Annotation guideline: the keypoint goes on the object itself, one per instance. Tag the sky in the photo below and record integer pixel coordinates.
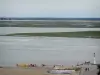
(50, 8)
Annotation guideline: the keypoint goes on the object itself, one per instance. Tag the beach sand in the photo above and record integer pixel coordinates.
(38, 71)
(22, 71)
(26, 71)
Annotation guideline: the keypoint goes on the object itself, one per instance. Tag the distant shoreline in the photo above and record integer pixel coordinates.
(30, 18)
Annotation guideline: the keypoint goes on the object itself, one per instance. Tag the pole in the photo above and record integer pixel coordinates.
(94, 59)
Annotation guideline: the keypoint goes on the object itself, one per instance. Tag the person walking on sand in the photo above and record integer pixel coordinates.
(85, 69)
(88, 69)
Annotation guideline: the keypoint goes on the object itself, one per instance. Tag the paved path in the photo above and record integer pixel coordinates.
(93, 71)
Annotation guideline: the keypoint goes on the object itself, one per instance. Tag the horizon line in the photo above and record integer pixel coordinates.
(45, 18)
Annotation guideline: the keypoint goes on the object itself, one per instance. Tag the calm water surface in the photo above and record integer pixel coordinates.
(49, 50)
(10, 30)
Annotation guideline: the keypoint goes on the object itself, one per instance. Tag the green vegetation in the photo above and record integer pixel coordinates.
(57, 23)
(85, 34)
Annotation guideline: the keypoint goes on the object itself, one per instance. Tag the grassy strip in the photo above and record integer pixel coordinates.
(92, 34)
(46, 24)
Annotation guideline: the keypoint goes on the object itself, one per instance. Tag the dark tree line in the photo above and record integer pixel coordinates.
(5, 18)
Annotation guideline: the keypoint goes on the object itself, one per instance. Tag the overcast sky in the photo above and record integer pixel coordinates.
(49, 8)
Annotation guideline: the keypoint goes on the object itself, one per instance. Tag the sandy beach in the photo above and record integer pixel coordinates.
(39, 71)
(26, 71)
(22, 71)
